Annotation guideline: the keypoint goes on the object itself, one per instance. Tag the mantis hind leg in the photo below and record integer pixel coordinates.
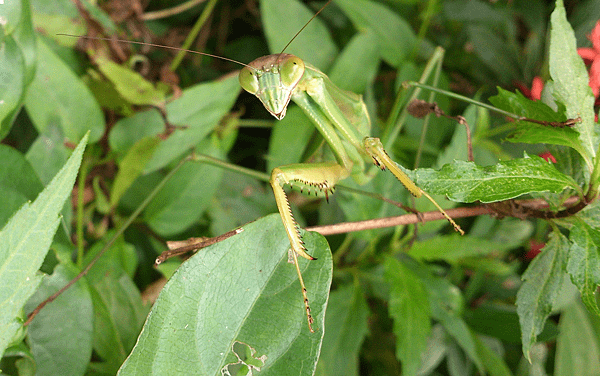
(374, 148)
(321, 177)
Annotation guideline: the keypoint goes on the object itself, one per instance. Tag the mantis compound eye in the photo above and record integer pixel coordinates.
(248, 80)
(292, 69)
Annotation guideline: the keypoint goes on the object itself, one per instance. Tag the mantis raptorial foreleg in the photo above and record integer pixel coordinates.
(322, 177)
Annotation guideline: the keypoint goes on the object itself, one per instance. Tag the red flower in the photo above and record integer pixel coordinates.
(548, 157)
(592, 56)
(535, 248)
(536, 89)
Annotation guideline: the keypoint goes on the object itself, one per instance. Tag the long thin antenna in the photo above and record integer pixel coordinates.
(155, 45)
(304, 27)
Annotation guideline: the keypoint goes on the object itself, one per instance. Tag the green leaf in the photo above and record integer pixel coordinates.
(584, 263)
(466, 182)
(571, 81)
(284, 18)
(396, 38)
(577, 347)
(533, 133)
(130, 130)
(18, 182)
(495, 51)
(131, 85)
(60, 336)
(199, 110)
(48, 153)
(18, 56)
(24, 242)
(357, 65)
(185, 197)
(346, 328)
(132, 166)
(73, 107)
(446, 305)
(541, 284)
(520, 105)
(452, 248)
(118, 309)
(409, 307)
(492, 362)
(239, 291)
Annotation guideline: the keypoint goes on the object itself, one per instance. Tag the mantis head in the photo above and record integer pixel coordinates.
(272, 79)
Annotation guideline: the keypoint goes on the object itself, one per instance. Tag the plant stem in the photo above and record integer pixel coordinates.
(203, 158)
(394, 122)
(80, 198)
(193, 34)
(462, 98)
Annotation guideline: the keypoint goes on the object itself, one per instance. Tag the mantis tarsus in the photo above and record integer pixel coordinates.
(341, 118)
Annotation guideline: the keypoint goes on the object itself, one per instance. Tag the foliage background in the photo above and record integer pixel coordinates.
(437, 304)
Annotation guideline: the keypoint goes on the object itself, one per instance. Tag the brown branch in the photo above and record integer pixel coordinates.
(406, 219)
(521, 209)
(196, 244)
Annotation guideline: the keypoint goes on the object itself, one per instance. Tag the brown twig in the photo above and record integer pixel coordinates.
(196, 244)
(406, 219)
(510, 208)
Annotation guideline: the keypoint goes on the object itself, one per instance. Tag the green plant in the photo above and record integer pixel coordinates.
(426, 301)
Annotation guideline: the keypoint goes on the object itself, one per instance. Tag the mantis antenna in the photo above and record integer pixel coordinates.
(156, 45)
(304, 27)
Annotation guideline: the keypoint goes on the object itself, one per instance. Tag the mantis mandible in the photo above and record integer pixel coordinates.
(342, 119)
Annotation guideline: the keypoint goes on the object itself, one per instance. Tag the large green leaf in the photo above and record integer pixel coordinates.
(284, 18)
(446, 305)
(198, 111)
(571, 80)
(73, 107)
(356, 67)
(396, 38)
(409, 306)
(60, 336)
(118, 309)
(24, 242)
(131, 85)
(346, 328)
(577, 347)
(452, 248)
(466, 182)
(240, 292)
(18, 56)
(183, 199)
(542, 282)
(584, 262)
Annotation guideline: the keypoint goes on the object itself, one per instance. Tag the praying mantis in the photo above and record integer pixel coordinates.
(342, 119)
